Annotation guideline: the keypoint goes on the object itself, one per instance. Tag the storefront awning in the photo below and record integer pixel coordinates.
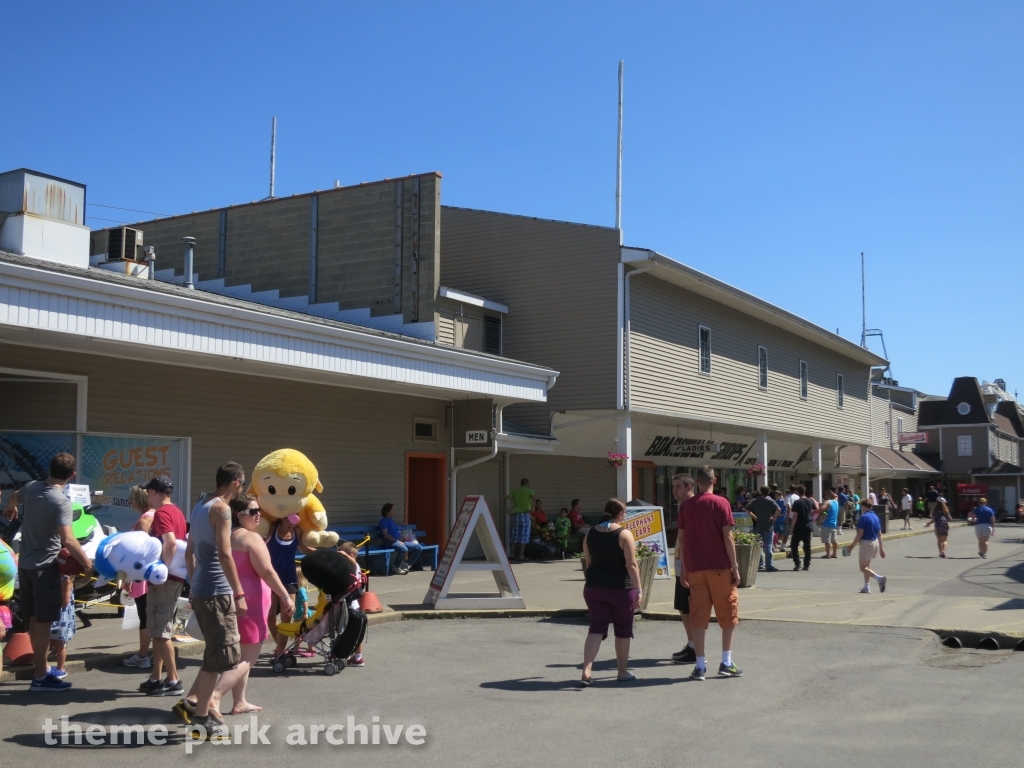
(999, 468)
(886, 460)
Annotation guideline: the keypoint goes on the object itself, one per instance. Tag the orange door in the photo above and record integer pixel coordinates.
(425, 478)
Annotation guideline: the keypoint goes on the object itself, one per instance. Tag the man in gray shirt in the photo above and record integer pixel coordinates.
(45, 528)
(764, 511)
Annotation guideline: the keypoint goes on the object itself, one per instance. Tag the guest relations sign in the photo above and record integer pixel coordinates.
(113, 464)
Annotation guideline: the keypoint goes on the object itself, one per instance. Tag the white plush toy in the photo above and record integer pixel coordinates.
(135, 555)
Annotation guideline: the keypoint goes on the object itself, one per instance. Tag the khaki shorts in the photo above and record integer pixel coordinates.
(828, 535)
(161, 605)
(709, 588)
(867, 550)
(217, 620)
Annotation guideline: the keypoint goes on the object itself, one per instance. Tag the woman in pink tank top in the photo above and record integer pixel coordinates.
(258, 578)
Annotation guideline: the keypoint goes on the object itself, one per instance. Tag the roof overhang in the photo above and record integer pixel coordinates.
(462, 297)
(72, 310)
(671, 271)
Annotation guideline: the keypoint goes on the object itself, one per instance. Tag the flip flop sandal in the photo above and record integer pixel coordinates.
(629, 676)
(585, 682)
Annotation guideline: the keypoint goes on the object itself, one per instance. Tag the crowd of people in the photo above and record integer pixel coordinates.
(528, 522)
(239, 584)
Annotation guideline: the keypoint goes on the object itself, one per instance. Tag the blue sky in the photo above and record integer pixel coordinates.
(766, 143)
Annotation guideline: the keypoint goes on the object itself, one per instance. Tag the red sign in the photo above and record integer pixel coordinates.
(966, 489)
(913, 438)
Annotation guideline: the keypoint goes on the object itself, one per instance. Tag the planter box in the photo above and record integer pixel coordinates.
(747, 558)
(647, 568)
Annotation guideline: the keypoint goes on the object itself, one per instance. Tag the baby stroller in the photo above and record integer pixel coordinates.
(337, 627)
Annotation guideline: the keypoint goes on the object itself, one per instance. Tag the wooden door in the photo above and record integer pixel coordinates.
(425, 482)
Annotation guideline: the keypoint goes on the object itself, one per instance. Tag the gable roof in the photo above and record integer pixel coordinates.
(1007, 413)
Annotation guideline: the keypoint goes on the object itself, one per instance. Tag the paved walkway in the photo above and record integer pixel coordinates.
(961, 592)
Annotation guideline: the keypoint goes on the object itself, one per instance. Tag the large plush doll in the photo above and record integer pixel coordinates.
(135, 555)
(8, 570)
(283, 482)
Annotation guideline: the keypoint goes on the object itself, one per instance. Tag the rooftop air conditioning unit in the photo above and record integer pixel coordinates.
(122, 243)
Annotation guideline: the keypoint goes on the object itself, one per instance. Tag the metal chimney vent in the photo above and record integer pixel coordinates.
(122, 243)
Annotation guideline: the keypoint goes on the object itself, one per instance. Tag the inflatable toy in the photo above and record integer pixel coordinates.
(283, 482)
(8, 571)
(135, 555)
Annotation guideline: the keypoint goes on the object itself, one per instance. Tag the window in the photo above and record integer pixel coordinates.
(899, 425)
(762, 367)
(963, 445)
(492, 334)
(839, 390)
(704, 343)
(803, 379)
(888, 430)
(424, 430)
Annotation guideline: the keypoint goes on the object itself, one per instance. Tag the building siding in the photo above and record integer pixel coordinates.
(664, 368)
(48, 406)
(556, 480)
(357, 439)
(959, 465)
(560, 283)
(879, 418)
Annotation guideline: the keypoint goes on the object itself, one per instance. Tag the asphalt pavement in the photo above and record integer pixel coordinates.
(502, 692)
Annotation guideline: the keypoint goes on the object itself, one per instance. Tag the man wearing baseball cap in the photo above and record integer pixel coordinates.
(162, 600)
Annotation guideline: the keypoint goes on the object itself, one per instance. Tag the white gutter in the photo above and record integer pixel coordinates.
(627, 383)
(472, 299)
(455, 472)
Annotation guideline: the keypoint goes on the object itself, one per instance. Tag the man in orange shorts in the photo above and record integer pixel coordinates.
(710, 569)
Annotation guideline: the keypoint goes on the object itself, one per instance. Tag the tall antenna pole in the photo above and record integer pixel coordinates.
(273, 152)
(863, 306)
(618, 163)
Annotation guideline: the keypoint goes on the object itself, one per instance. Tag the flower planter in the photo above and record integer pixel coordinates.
(747, 558)
(648, 566)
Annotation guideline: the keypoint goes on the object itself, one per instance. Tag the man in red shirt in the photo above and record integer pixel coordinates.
(162, 600)
(710, 569)
(576, 516)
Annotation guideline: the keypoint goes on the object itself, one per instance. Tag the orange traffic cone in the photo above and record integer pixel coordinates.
(369, 602)
(18, 649)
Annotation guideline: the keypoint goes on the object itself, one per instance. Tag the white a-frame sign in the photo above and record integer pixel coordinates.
(474, 516)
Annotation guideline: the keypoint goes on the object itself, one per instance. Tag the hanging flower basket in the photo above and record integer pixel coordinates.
(617, 459)
(756, 469)
(813, 472)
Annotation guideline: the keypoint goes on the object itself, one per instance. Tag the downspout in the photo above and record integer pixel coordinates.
(453, 511)
(626, 383)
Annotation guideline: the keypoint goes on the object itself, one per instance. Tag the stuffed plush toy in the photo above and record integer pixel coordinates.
(136, 555)
(283, 482)
(8, 570)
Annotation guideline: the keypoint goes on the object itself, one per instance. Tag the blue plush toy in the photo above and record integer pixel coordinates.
(136, 556)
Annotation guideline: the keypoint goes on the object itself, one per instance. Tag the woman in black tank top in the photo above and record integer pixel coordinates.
(613, 590)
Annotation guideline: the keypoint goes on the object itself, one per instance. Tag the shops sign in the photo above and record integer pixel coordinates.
(696, 448)
(913, 438)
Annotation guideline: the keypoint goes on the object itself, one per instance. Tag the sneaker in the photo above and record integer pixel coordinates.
(685, 656)
(184, 710)
(983, 557)
(356, 660)
(60, 674)
(865, 590)
(771, 570)
(729, 670)
(150, 685)
(881, 583)
(396, 570)
(48, 684)
(167, 688)
(807, 567)
(698, 673)
(942, 555)
(213, 731)
(138, 662)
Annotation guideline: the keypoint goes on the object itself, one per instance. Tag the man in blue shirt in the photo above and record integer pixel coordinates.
(407, 553)
(829, 516)
(984, 519)
(868, 544)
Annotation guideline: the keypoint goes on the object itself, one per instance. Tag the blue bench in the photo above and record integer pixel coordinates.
(374, 547)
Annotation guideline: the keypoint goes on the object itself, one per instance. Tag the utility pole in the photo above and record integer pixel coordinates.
(618, 163)
(863, 306)
(273, 153)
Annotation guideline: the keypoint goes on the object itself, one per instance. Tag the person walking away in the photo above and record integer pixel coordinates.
(46, 528)
(781, 522)
(407, 553)
(612, 590)
(712, 574)
(283, 544)
(682, 489)
(801, 512)
(764, 510)
(867, 544)
(906, 506)
(941, 519)
(829, 512)
(162, 599)
(138, 497)
(519, 519)
(931, 499)
(218, 601)
(258, 579)
(984, 519)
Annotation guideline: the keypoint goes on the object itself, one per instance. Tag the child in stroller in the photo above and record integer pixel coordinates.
(335, 629)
